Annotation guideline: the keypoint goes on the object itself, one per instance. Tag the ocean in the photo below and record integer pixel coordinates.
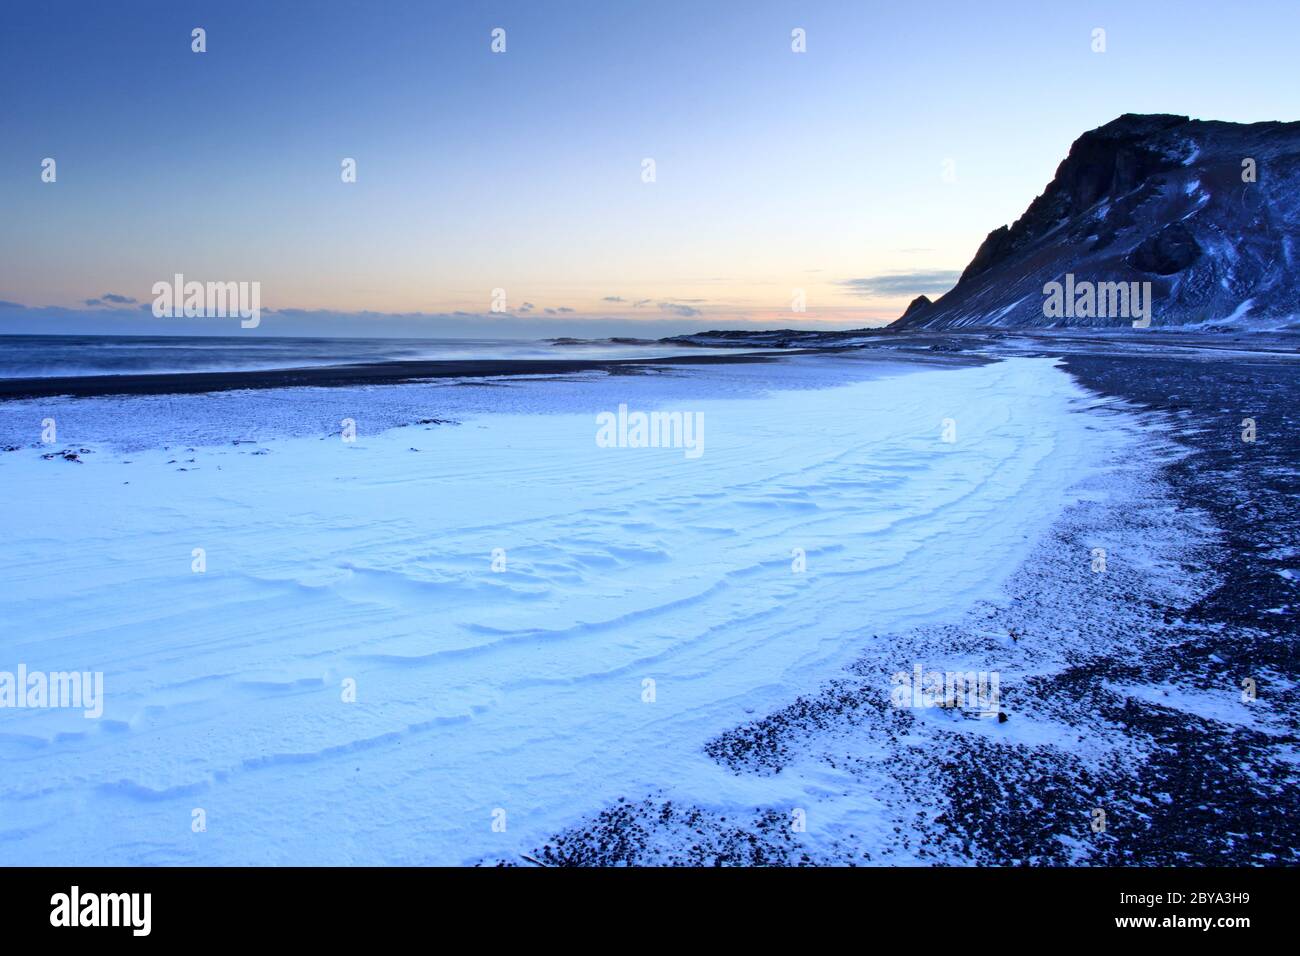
(43, 356)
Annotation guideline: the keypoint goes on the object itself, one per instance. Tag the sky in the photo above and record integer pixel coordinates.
(859, 173)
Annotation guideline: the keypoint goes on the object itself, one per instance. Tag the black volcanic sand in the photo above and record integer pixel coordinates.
(1192, 603)
(1224, 806)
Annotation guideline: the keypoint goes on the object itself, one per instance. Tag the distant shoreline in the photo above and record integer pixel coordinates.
(375, 373)
(968, 345)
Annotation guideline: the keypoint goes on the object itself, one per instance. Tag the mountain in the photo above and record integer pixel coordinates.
(1207, 212)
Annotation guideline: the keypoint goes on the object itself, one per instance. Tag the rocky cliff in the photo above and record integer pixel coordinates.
(1207, 212)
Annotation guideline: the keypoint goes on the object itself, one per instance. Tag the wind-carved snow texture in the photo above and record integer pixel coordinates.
(1127, 739)
(522, 691)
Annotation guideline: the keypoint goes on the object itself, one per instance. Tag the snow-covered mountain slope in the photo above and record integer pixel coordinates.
(1207, 212)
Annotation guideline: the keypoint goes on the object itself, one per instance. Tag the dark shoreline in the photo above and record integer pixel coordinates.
(970, 344)
(331, 376)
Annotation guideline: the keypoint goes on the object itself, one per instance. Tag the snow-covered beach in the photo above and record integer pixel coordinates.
(532, 626)
(443, 443)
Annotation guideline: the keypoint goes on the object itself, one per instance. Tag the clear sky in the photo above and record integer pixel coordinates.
(774, 170)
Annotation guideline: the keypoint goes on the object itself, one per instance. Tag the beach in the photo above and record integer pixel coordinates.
(463, 630)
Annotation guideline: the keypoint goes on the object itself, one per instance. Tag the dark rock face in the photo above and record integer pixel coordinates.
(1170, 250)
(1109, 161)
(916, 305)
(1157, 198)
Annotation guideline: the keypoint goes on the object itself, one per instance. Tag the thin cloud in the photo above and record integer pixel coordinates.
(112, 298)
(894, 284)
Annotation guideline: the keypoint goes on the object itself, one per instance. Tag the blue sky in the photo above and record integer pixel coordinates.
(775, 171)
